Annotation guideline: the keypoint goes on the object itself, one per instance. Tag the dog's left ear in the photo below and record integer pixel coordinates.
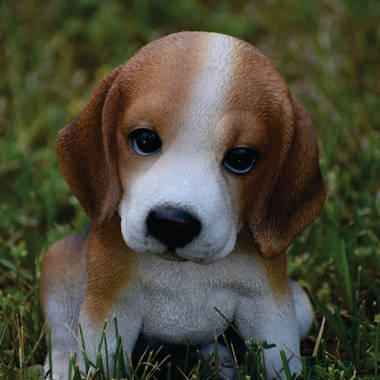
(87, 152)
(298, 193)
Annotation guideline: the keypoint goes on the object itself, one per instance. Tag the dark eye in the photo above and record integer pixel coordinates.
(145, 142)
(240, 160)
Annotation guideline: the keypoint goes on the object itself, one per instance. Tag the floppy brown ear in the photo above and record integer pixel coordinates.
(299, 191)
(86, 151)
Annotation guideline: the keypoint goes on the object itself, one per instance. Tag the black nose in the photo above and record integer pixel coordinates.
(172, 226)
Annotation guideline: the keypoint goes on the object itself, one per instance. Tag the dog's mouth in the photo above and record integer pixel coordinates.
(171, 256)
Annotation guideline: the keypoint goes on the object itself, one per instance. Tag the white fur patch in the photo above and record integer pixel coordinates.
(208, 94)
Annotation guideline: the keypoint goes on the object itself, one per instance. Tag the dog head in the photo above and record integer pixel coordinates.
(194, 136)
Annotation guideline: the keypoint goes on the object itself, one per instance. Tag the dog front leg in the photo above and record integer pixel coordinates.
(124, 320)
(64, 344)
(265, 318)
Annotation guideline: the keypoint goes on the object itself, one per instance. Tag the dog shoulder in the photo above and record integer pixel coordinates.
(64, 266)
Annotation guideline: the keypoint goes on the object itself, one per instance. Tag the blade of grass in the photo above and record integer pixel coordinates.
(50, 355)
(336, 324)
(343, 270)
(169, 371)
(285, 364)
(377, 345)
(319, 337)
(87, 361)
(230, 354)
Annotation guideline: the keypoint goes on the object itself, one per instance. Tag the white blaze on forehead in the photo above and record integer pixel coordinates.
(211, 84)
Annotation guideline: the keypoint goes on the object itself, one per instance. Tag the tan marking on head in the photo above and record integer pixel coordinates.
(254, 109)
(285, 191)
(156, 83)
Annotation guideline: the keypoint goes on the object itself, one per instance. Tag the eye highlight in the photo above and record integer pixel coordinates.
(240, 160)
(145, 141)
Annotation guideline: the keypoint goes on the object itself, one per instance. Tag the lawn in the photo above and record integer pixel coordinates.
(51, 56)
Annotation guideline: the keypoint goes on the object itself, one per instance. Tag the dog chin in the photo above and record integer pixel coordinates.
(180, 257)
(172, 256)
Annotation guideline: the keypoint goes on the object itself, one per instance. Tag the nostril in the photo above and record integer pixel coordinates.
(172, 226)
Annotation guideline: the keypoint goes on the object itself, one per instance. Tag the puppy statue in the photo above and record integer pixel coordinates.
(197, 167)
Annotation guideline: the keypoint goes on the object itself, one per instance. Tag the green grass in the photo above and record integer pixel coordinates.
(51, 56)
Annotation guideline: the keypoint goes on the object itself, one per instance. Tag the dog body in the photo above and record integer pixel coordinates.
(197, 167)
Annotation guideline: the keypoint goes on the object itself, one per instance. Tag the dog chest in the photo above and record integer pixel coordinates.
(176, 315)
(181, 303)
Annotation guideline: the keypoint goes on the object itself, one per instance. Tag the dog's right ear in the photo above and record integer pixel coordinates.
(86, 151)
(298, 192)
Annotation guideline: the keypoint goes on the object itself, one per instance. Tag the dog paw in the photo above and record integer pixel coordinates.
(222, 364)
